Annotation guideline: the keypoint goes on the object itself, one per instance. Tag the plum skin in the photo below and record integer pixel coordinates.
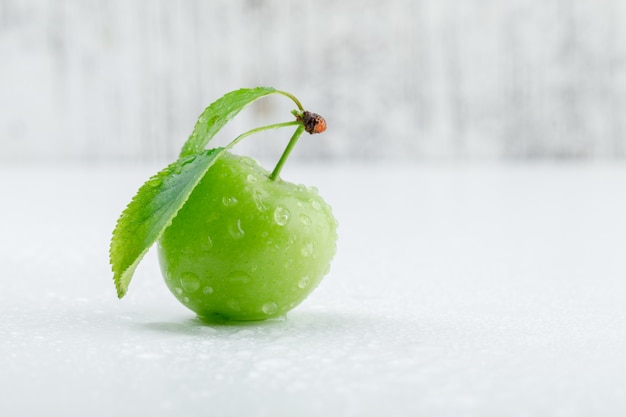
(244, 247)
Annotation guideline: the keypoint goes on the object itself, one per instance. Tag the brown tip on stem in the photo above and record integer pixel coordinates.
(312, 122)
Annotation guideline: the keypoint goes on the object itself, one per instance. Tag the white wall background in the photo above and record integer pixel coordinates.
(399, 79)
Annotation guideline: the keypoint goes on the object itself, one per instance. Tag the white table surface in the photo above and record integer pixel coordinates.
(456, 291)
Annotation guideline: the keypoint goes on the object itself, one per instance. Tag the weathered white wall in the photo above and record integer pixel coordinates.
(399, 79)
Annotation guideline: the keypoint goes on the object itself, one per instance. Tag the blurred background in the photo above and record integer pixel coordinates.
(397, 80)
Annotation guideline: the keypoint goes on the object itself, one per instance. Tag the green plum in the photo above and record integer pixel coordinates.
(235, 242)
(246, 246)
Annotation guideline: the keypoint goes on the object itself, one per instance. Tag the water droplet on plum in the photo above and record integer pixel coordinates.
(190, 281)
(281, 215)
(316, 205)
(235, 229)
(239, 277)
(259, 201)
(307, 249)
(234, 304)
(247, 161)
(229, 201)
(208, 244)
(178, 290)
(304, 282)
(305, 220)
(207, 290)
(269, 308)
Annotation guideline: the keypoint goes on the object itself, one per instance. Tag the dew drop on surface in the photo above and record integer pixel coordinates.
(248, 161)
(178, 290)
(188, 160)
(229, 201)
(307, 249)
(269, 308)
(185, 299)
(305, 220)
(239, 277)
(316, 205)
(189, 281)
(259, 201)
(251, 178)
(304, 282)
(233, 304)
(235, 229)
(181, 164)
(207, 290)
(208, 243)
(155, 182)
(281, 215)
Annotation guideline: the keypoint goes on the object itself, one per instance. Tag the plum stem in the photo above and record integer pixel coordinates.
(260, 129)
(305, 120)
(292, 97)
(292, 142)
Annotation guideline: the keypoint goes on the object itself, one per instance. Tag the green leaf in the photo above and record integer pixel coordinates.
(151, 211)
(220, 112)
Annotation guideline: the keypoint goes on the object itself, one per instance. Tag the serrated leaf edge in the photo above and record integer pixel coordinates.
(122, 278)
(194, 144)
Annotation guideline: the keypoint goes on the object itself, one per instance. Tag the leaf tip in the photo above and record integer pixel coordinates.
(121, 292)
